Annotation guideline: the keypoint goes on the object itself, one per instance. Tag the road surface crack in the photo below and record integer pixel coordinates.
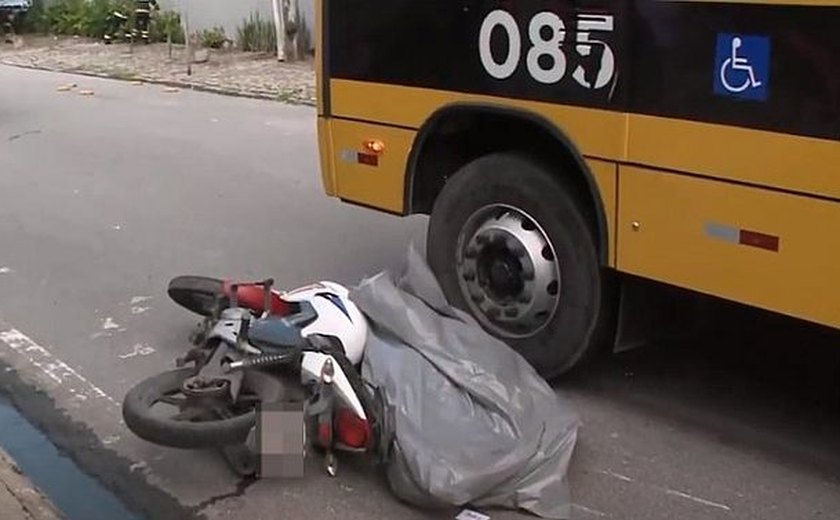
(241, 487)
(23, 134)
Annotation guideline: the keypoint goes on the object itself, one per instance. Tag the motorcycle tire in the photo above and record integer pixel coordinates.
(185, 434)
(197, 293)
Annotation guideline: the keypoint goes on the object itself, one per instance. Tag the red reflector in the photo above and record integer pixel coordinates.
(760, 240)
(351, 430)
(368, 158)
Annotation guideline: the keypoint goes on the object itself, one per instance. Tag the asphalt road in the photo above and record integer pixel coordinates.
(104, 198)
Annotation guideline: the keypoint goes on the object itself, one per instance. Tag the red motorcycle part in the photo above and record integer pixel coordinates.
(351, 430)
(252, 296)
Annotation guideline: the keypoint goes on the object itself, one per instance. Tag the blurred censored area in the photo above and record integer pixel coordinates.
(280, 440)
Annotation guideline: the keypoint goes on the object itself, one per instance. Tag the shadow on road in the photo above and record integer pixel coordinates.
(749, 378)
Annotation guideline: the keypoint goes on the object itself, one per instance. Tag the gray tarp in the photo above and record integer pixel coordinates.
(472, 422)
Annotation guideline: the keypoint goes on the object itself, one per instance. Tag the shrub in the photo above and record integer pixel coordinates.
(256, 35)
(32, 21)
(166, 23)
(90, 18)
(66, 17)
(212, 38)
(75, 17)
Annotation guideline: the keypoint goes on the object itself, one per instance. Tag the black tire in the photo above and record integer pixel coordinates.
(516, 181)
(196, 293)
(186, 434)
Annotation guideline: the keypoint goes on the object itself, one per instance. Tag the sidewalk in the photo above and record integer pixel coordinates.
(19, 498)
(225, 71)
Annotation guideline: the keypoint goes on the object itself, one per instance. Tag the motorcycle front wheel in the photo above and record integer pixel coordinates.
(157, 410)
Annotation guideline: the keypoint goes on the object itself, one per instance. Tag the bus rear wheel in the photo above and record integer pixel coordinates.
(510, 245)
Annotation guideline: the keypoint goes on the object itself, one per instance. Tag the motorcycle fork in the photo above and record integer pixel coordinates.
(322, 410)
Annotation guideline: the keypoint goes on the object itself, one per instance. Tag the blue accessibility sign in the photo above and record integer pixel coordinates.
(742, 66)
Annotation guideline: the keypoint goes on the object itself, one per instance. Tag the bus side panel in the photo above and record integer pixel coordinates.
(375, 180)
(775, 160)
(765, 248)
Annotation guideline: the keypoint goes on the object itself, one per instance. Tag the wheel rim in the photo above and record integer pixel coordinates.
(508, 271)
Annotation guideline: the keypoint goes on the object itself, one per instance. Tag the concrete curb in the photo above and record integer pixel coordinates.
(168, 83)
(34, 504)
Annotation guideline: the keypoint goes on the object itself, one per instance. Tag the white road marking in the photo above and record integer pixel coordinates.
(140, 299)
(52, 367)
(667, 491)
(5, 270)
(109, 323)
(138, 350)
(699, 500)
(613, 474)
(593, 512)
(139, 310)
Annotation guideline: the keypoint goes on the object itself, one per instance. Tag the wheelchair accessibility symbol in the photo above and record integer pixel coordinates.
(742, 66)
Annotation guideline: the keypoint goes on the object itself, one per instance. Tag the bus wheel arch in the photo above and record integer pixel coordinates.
(447, 141)
(545, 204)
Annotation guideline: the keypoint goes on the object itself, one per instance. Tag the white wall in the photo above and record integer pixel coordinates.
(205, 14)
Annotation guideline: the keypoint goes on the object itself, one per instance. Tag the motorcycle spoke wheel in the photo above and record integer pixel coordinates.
(174, 422)
(188, 414)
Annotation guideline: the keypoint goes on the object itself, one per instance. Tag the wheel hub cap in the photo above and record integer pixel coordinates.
(507, 271)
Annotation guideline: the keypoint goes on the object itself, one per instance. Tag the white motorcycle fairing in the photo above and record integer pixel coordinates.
(340, 318)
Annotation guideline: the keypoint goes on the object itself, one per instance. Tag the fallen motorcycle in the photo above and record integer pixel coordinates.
(255, 346)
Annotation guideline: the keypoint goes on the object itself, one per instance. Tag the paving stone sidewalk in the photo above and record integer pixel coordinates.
(226, 71)
(19, 498)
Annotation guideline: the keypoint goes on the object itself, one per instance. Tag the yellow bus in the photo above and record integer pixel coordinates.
(555, 142)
